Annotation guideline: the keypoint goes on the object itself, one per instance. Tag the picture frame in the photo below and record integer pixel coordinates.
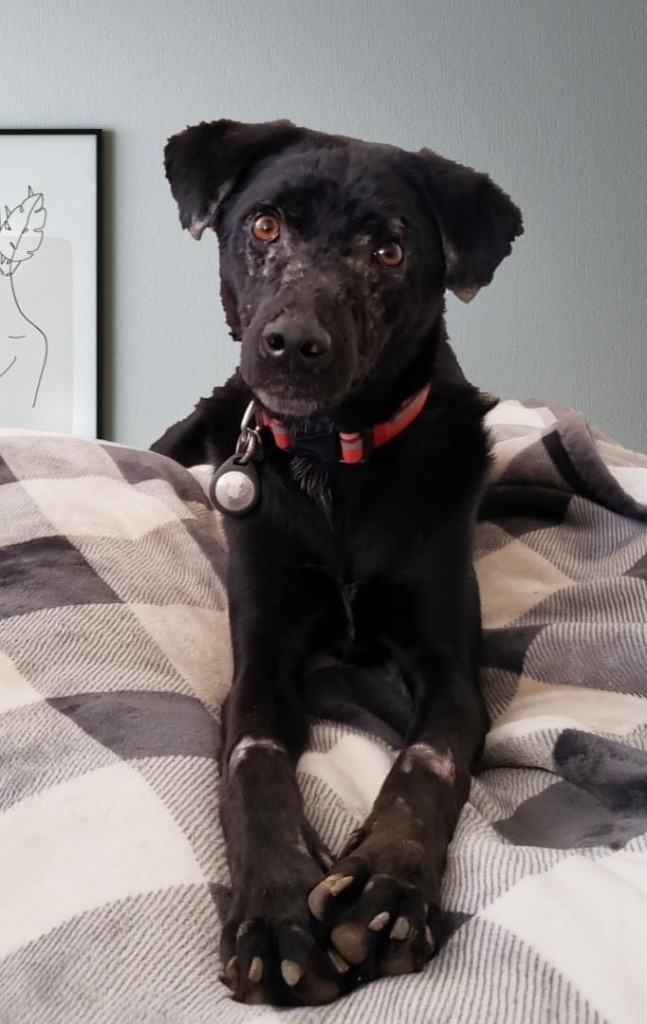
(50, 279)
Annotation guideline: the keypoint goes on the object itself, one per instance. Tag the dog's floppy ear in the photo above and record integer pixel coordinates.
(203, 162)
(478, 222)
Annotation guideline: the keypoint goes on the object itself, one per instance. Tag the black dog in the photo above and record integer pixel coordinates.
(350, 578)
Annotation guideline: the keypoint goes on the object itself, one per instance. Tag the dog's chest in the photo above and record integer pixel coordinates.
(371, 522)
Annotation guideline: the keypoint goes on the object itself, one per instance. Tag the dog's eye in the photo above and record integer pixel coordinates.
(266, 227)
(390, 254)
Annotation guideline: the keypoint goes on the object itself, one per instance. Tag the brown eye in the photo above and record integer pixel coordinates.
(266, 227)
(390, 254)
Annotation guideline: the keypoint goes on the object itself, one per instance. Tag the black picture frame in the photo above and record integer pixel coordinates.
(51, 307)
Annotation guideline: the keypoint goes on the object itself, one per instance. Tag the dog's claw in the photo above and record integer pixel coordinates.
(317, 902)
(231, 975)
(255, 973)
(380, 922)
(342, 884)
(318, 898)
(401, 929)
(292, 972)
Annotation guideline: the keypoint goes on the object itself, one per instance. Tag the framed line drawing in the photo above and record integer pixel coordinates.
(50, 255)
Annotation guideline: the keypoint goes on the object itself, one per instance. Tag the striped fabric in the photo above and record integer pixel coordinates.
(114, 661)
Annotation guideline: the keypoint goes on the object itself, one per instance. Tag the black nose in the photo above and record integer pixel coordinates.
(290, 338)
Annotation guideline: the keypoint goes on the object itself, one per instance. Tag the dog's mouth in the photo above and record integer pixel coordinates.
(283, 405)
(291, 392)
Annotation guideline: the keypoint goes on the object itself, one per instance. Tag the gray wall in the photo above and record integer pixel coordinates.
(549, 96)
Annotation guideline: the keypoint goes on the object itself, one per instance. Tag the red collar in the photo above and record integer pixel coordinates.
(355, 447)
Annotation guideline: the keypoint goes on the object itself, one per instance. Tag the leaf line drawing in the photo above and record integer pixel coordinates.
(21, 236)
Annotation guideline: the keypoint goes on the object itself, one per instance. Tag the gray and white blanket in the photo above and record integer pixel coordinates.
(114, 661)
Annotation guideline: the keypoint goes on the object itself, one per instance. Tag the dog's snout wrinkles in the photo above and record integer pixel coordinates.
(289, 338)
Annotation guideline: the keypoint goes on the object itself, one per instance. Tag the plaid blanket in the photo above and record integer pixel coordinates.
(114, 661)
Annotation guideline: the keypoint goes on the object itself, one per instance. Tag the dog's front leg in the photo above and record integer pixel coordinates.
(269, 951)
(380, 901)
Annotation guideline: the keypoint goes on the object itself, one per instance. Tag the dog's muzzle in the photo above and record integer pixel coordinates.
(296, 368)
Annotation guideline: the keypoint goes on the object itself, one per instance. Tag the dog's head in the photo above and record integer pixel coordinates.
(334, 253)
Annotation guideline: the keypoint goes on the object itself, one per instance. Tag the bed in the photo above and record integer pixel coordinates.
(114, 661)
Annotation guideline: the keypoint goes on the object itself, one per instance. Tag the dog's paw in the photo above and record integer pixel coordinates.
(270, 953)
(378, 924)
(278, 963)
